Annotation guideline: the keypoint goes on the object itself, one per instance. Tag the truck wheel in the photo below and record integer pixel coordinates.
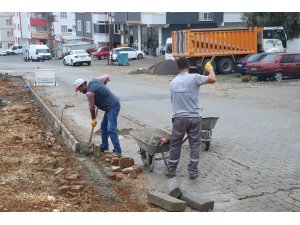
(225, 66)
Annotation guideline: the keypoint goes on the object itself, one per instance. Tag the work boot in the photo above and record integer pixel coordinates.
(169, 175)
(104, 149)
(193, 176)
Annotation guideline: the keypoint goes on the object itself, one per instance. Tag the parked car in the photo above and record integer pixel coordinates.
(2, 53)
(132, 53)
(102, 53)
(15, 50)
(75, 57)
(276, 66)
(239, 66)
(91, 50)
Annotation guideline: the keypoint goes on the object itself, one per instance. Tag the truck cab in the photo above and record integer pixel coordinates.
(274, 39)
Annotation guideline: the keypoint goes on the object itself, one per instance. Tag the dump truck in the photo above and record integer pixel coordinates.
(226, 44)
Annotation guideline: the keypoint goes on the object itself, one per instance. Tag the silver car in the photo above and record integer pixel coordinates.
(131, 52)
(77, 57)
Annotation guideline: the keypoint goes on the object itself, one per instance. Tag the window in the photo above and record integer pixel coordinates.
(8, 22)
(78, 25)
(28, 27)
(64, 28)
(9, 34)
(74, 27)
(88, 27)
(63, 15)
(286, 59)
(297, 58)
(101, 28)
(117, 28)
(205, 16)
(18, 26)
(0, 45)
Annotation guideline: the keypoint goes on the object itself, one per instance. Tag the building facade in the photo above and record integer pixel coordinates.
(6, 31)
(140, 30)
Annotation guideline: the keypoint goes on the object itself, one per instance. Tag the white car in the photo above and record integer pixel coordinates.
(15, 50)
(132, 53)
(75, 57)
(2, 52)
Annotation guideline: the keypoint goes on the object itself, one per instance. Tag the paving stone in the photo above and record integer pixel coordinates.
(197, 201)
(172, 188)
(166, 201)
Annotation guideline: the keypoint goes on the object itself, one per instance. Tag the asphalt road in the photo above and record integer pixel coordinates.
(253, 163)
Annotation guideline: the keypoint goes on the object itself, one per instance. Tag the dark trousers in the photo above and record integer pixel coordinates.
(192, 127)
(109, 128)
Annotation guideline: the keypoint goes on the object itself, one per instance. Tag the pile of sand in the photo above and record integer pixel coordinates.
(166, 67)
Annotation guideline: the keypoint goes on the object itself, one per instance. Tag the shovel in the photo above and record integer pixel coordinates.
(92, 131)
(86, 146)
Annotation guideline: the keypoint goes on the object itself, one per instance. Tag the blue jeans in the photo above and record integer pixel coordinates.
(109, 128)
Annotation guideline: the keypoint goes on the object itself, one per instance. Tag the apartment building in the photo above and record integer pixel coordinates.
(140, 30)
(6, 30)
(64, 24)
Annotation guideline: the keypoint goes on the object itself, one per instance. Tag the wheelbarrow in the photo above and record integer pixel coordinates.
(208, 123)
(150, 141)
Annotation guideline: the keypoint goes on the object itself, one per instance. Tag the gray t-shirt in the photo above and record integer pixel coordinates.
(184, 94)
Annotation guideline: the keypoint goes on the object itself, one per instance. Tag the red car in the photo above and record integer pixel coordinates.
(102, 53)
(276, 66)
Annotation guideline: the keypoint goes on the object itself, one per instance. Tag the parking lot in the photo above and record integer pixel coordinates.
(253, 163)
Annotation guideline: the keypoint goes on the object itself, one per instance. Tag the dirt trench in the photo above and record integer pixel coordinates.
(39, 174)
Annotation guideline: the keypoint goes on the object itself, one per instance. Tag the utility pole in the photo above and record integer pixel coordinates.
(111, 41)
(50, 25)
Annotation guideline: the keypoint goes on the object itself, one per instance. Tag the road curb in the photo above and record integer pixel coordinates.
(67, 136)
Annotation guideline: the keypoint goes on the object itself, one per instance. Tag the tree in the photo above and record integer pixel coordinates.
(290, 21)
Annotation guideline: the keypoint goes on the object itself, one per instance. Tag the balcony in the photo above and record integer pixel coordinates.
(40, 35)
(39, 22)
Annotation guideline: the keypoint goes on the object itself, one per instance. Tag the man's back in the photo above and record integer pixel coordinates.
(184, 94)
(104, 98)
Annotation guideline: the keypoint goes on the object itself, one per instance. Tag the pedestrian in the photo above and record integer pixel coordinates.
(187, 116)
(103, 98)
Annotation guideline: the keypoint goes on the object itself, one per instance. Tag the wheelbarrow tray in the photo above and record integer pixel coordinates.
(148, 140)
(208, 123)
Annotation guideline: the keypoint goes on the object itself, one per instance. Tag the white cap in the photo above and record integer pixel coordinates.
(77, 83)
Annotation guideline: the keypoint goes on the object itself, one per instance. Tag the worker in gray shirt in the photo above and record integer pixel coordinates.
(187, 116)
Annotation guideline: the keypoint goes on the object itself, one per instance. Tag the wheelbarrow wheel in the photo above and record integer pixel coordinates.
(148, 160)
(206, 145)
(144, 157)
